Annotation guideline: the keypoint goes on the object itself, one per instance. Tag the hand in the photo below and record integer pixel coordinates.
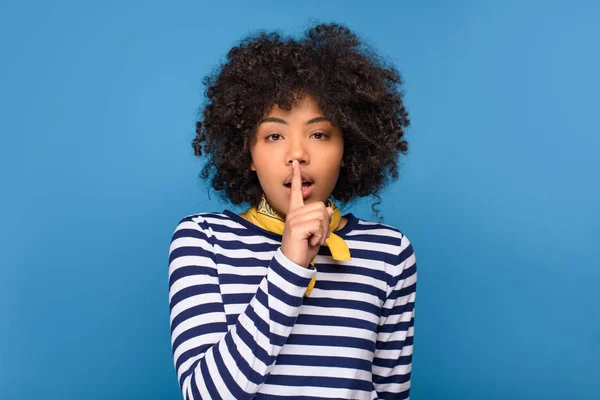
(306, 226)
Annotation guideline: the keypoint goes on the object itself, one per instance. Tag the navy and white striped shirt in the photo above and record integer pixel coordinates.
(241, 327)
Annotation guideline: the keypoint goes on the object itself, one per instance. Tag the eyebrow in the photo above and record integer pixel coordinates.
(283, 121)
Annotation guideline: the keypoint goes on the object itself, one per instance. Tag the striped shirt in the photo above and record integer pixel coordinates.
(242, 328)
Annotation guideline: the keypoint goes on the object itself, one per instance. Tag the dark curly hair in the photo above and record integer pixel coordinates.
(354, 88)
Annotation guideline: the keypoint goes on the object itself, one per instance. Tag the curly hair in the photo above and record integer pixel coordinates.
(354, 88)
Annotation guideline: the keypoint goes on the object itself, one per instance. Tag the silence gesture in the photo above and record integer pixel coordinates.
(306, 226)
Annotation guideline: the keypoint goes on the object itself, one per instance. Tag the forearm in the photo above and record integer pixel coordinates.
(213, 362)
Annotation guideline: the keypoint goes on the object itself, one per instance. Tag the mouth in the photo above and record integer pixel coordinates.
(307, 188)
(307, 184)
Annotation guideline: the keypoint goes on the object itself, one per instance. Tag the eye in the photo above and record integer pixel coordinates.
(320, 135)
(274, 136)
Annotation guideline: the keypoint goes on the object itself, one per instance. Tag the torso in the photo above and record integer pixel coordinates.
(338, 325)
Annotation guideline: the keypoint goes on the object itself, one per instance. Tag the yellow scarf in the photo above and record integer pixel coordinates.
(265, 217)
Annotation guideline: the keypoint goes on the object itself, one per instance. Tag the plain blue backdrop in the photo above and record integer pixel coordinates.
(499, 193)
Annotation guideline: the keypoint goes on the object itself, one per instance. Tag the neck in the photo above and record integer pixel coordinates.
(343, 221)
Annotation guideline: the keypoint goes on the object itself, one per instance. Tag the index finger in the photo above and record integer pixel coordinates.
(296, 198)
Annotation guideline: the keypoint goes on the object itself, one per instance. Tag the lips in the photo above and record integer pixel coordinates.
(304, 184)
(306, 189)
(307, 184)
(306, 179)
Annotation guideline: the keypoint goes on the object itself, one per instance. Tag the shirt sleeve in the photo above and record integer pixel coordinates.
(211, 361)
(394, 347)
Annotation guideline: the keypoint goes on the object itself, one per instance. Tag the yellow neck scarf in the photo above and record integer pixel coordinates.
(265, 217)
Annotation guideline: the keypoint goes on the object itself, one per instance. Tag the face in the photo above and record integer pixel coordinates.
(304, 134)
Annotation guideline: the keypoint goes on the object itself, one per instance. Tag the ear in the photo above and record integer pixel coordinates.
(342, 164)
(252, 166)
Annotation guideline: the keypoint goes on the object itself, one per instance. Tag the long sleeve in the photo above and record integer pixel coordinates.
(211, 361)
(394, 348)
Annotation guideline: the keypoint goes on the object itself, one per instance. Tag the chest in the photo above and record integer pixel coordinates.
(342, 310)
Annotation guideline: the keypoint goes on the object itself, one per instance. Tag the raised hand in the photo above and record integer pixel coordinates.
(306, 226)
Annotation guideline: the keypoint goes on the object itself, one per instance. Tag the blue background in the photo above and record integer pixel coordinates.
(499, 193)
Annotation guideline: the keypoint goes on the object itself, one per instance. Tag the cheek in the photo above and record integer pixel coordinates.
(258, 158)
(335, 156)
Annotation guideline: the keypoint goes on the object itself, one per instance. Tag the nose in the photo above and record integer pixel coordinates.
(297, 150)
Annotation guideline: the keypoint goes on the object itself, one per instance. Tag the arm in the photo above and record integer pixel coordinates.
(394, 348)
(211, 362)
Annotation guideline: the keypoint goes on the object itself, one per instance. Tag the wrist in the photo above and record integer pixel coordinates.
(294, 260)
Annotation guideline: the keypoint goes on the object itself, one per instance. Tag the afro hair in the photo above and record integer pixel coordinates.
(355, 90)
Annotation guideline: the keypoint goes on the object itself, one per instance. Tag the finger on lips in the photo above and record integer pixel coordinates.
(296, 199)
(312, 212)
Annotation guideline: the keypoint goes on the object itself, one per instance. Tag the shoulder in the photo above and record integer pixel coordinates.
(201, 222)
(390, 238)
(195, 237)
(399, 252)
(198, 230)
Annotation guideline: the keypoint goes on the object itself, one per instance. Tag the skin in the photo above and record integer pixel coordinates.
(306, 225)
(305, 135)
